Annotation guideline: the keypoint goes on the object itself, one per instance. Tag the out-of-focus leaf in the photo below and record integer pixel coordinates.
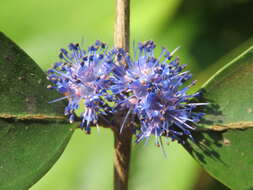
(212, 69)
(33, 133)
(224, 143)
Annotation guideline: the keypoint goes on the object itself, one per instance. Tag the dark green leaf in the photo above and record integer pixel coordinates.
(224, 143)
(23, 84)
(33, 133)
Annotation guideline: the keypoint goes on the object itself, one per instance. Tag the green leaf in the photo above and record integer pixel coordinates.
(224, 142)
(33, 133)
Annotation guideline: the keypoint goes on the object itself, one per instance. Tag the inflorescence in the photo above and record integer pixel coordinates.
(151, 89)
(83, 78)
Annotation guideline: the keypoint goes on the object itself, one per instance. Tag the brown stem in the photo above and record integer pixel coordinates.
(122, 148)
(121, 34)
(122, 141)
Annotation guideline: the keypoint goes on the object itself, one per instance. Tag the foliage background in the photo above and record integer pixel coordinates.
(207, 31)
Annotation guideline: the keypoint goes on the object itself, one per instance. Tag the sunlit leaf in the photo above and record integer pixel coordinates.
(224, 145)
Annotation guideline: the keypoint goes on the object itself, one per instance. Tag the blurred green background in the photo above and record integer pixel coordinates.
(209, 33)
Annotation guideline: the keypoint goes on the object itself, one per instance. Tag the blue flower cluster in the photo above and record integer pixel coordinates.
(83, 78)
(151, 89)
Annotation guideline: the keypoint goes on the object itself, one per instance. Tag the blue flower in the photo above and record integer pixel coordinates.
(154, 89)
(83, 78)
(151, 88)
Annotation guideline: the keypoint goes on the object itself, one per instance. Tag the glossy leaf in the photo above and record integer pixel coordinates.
(224, 142)
(33, 133)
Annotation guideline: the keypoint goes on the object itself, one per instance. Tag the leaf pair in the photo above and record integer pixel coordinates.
(33, 133)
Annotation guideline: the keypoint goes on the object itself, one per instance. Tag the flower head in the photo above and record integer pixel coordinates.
(154, 89)
(83, 78)
(149, 87)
